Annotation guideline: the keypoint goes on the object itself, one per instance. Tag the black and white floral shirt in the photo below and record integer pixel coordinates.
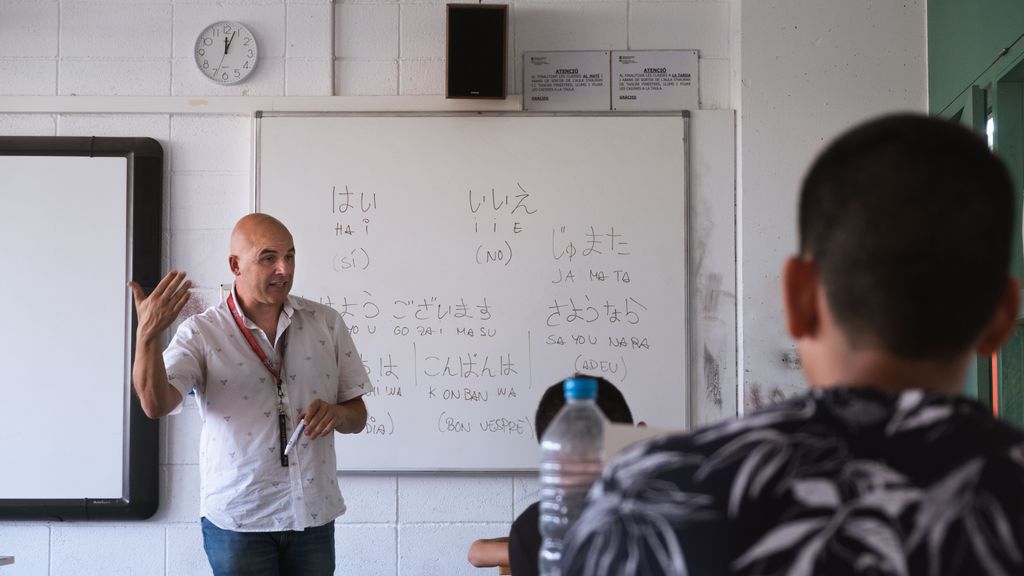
(836, 482)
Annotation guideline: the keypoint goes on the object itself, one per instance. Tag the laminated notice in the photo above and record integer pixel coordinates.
(655, 80)
(567, 81)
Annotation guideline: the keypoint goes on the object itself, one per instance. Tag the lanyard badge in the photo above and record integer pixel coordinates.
(282, 416)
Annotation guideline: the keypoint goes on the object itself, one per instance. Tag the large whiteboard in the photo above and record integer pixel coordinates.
(89, 442)
(478, 259)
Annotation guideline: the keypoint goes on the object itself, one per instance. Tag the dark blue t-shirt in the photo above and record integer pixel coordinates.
(524, 542)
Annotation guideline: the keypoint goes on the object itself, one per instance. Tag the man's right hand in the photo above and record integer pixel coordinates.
(158, 311)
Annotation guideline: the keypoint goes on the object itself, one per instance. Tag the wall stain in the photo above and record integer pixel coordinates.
(756, 397)
(712, 290)
(712, 378)
(754, 400)
(791, 359)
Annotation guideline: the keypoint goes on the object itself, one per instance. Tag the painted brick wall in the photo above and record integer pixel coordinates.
(810, 70)
(397, 525)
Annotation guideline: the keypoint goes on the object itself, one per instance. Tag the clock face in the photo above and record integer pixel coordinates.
(226, 52)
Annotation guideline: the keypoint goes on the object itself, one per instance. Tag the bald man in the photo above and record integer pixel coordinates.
(260, 363)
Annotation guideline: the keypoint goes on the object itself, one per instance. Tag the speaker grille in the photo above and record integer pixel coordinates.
(476, 50)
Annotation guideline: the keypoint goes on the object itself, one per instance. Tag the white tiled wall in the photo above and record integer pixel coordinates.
(404, 525)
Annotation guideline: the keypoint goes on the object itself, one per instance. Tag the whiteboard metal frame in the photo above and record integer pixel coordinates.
(140, 450)
(690, 373)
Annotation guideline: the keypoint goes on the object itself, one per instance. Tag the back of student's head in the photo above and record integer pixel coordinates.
(609, 399)
(908, 220)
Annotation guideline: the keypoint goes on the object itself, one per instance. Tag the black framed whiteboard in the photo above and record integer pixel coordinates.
(479, 258)
(81, 216)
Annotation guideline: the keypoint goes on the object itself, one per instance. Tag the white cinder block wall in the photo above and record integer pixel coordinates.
(810, 70)
(410, 524)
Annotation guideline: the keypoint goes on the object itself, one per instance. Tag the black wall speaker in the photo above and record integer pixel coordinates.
(477, 45)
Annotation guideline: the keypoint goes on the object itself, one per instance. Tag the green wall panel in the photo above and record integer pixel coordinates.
(964, 37)
(1011, 374)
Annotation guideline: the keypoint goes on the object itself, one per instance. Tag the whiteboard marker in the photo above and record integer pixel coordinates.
(295, 436)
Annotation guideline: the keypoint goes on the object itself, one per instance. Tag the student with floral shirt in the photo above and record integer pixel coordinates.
(883, 468)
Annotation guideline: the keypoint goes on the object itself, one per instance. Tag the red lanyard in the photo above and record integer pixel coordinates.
(282, 418)
(253, 344)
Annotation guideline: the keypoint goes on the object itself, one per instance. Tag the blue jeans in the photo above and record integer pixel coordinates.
(309, 552)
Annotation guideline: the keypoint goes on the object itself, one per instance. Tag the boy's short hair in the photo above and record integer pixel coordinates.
(908, 220)
(609, 399)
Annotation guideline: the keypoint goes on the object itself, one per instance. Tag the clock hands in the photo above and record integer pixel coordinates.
(227, 44)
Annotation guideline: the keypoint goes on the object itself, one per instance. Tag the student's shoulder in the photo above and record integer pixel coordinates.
(996, 438)
(715, 447)
(529, 516)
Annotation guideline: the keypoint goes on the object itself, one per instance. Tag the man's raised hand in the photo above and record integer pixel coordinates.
(157, 311)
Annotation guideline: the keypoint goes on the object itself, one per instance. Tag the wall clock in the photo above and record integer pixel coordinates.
(226, 52)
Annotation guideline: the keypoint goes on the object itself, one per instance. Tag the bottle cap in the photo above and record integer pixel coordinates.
(580, 388)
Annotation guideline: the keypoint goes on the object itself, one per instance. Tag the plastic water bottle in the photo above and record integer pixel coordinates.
(570, 461)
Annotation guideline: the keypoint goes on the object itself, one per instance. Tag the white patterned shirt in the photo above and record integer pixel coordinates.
(244, 487)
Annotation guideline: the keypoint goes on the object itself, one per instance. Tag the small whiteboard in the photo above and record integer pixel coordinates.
(80, 217)
(478, 259)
